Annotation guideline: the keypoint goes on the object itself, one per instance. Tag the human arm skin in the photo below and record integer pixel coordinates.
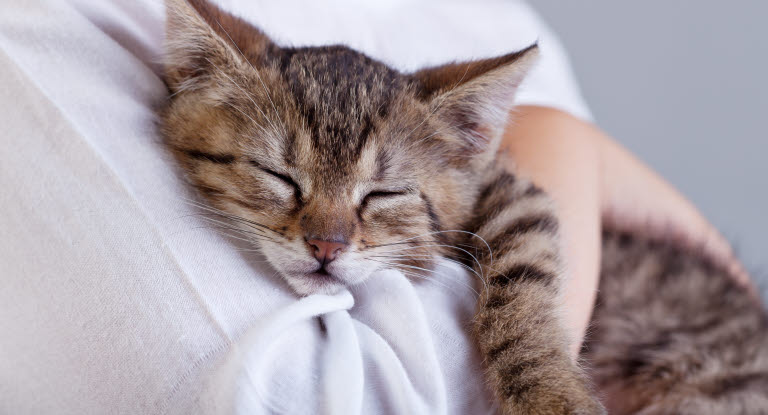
(592, 180)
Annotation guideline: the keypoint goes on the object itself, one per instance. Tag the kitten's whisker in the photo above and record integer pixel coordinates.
(235, 219)
(228, 215)
(251, 230)
(474, 235)
(411, 257)
(408, 272)
(435, 281)
(474, 258)
(391, 244)
(205, 216)
(407, 257)
(437, 233)
(415, 245)
(473, 271)
(228, 235)
(403, 256)
(224, 225)
(242, 222)
(243, 231)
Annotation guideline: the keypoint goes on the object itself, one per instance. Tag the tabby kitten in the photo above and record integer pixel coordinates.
(339, 165)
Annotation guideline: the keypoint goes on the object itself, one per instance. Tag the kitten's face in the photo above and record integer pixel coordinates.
(333, 164)
(334, 186)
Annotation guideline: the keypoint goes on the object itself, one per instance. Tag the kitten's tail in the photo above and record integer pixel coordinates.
(672, 333)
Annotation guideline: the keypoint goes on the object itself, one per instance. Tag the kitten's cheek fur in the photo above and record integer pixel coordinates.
(351, 269)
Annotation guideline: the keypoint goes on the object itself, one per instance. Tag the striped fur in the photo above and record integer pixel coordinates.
(295, 145)
(674, 334)
(516, 326)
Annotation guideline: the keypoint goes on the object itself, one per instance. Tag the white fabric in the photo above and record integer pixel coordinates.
(113, 299)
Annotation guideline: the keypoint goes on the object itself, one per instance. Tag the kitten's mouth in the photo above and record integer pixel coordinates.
(322, 275)
(319, 281)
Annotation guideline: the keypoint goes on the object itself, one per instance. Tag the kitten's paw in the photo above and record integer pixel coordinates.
(592, 407)
(544, 400)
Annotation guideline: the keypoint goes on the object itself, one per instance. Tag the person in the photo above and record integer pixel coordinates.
(114, 297)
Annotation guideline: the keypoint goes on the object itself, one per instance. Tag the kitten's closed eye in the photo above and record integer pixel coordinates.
(385, 193)
(282, 177)
(382, 194)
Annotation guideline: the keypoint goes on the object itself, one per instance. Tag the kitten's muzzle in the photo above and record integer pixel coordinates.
(325, 251)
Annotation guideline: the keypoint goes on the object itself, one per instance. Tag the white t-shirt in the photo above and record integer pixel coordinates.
(113, 299)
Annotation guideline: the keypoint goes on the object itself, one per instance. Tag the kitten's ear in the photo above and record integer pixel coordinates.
(475, 98)
(202, 39)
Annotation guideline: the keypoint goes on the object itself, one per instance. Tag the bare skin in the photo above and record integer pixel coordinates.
(593, 179)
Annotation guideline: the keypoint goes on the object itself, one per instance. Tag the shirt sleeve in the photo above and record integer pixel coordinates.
(552, 82)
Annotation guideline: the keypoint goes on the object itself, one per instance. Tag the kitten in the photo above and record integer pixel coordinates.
(338, 165)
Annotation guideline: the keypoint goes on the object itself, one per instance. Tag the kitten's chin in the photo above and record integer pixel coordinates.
(314, 283)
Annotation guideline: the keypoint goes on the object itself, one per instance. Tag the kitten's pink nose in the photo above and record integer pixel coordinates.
(325, 251)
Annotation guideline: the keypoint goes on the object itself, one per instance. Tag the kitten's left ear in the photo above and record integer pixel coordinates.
(202, 39)
(475, 98)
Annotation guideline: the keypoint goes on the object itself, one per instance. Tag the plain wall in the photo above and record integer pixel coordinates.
(683, 85)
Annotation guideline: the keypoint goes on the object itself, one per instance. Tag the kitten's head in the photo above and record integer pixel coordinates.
(332, 163)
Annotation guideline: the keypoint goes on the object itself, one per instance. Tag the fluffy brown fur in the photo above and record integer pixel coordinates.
(674, 334)
(336, 165)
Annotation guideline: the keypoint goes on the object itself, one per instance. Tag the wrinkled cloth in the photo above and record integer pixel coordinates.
(115, 297)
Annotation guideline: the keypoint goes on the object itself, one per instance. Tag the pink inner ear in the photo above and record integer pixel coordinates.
(479, 108)
(476, 120)
(479, 137)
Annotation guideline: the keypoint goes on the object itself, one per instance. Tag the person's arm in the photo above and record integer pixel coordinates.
(593, 179)
(555, 152)
(635, 197)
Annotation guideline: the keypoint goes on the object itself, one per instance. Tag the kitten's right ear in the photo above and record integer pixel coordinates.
(476, 97)
(201, 39)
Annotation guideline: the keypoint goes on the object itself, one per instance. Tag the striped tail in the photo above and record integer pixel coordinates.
(674, 334)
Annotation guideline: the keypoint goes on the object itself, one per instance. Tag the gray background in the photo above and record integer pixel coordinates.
(683, 84)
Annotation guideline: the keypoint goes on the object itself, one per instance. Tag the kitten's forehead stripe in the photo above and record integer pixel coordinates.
(289, 149)
(341, 95)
